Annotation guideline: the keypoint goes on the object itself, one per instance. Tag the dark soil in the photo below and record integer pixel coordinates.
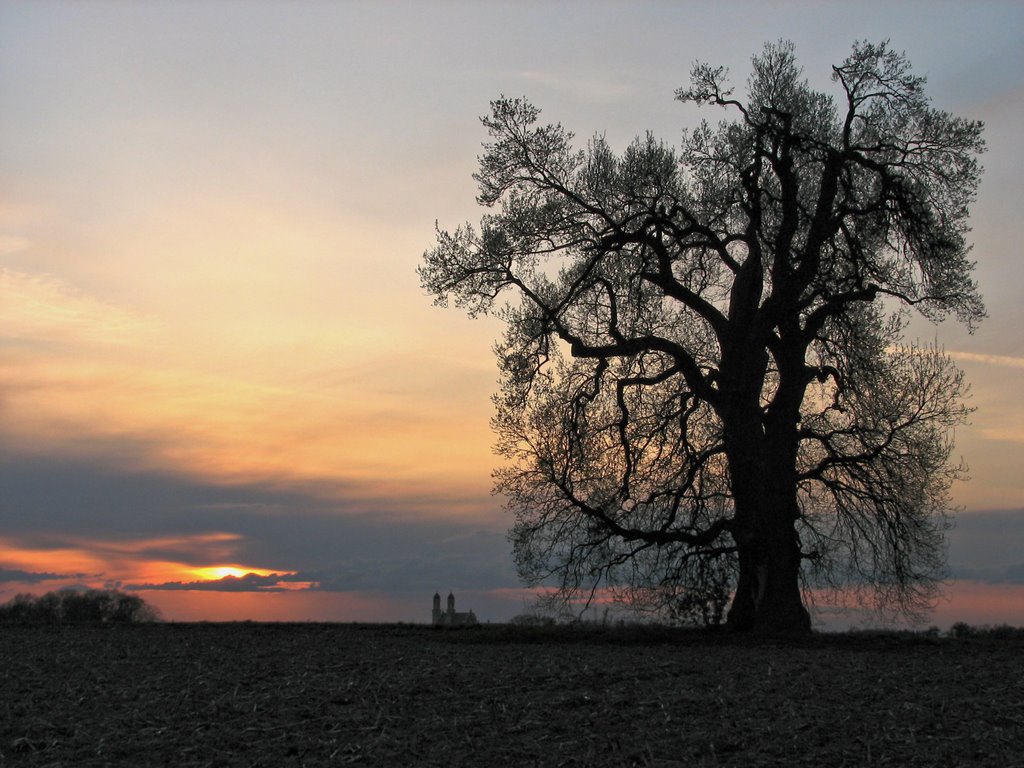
(318, 694)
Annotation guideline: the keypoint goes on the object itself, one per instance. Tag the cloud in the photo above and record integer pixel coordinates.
(589, 89)
(234, 404)
(32, 577)
(250, 582)
(173, 533)
(986, 547)
(42, 309)
(1006, 574)
(93, 498)
(1003, 435)
(475, 560)
(12, 244)
(1005, 361)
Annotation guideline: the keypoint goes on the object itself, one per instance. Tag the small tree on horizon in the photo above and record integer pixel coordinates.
(704, 375)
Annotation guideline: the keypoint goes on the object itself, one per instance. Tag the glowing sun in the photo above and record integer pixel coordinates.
(215, 572)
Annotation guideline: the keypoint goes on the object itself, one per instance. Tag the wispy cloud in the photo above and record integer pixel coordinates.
(80, 373)
(12, 244)
(599, 91)
(199, 557)
(1004, 435)
(8, 575)
(250, 582)
(986, 546)
(1006, 361)
(1005, 574)
(41, 308)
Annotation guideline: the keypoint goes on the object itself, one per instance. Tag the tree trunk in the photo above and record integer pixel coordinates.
(761, 449)
(768, 595)
(768, 598)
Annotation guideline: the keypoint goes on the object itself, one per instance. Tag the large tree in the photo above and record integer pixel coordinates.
(704, 381)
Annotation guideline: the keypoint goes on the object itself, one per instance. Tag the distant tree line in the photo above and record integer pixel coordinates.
(73, 606)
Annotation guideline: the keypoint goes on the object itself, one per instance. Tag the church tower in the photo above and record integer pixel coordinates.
(450, 618)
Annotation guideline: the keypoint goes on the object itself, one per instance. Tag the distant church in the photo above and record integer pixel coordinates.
(450, 618)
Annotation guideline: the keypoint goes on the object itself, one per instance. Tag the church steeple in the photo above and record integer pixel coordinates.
(450, 618)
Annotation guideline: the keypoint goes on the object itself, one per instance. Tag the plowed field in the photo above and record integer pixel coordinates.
(320, 694)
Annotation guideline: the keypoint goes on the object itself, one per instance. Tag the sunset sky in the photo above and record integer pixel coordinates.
(215, 355)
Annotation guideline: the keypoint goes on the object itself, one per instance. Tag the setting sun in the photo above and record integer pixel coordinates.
(215, 572)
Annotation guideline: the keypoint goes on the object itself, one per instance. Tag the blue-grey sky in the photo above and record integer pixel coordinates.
(215, 356)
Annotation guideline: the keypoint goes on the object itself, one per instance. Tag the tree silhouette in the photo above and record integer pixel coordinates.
(704, 376)
(78, 606)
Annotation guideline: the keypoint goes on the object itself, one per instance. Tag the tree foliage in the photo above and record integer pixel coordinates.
(704, 381)
(72, 606)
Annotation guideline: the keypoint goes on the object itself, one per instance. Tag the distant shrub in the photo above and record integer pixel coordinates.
(1004, 632)
(74, 606)
(962, 630)
(532, 620)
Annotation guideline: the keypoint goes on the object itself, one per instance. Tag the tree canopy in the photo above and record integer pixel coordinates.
(78, 606)
(705, 387)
